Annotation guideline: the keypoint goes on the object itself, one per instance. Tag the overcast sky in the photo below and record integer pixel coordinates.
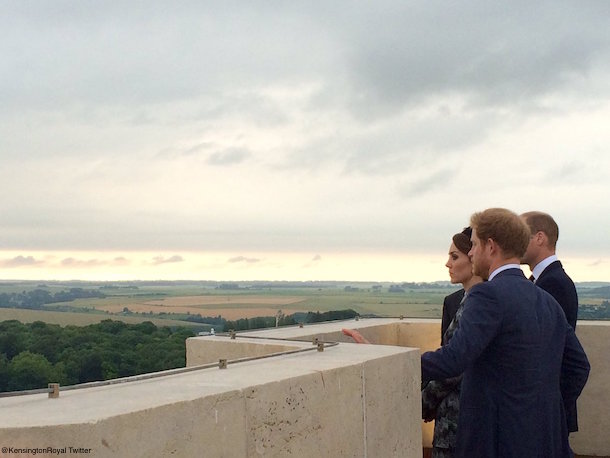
(296, 140)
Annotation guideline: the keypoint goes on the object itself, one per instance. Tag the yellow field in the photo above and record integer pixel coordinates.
(193, 301)
(231, 307)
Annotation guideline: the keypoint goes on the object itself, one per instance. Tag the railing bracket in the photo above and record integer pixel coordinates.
(53, 390)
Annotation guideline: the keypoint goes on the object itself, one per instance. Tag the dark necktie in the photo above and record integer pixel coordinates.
(532, 279)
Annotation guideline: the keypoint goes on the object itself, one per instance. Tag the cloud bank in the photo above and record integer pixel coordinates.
(288, 127)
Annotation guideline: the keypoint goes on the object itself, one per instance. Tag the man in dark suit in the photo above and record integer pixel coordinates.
(513, 345)
(548, 274)
(547, 270)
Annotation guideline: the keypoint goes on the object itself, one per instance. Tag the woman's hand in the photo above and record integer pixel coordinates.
(358, 338)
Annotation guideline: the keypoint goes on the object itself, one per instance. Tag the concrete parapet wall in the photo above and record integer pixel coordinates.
(422, 333)
(593, 405)
(210, 349)
(348, 400)
(593, 437)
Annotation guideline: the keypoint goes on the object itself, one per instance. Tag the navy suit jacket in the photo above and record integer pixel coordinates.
(558, 284)
(513, 345)
(555, 281)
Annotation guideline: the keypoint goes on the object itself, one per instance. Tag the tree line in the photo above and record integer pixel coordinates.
(244, 324)
(36, 298)
(594, 312)
(36, 354)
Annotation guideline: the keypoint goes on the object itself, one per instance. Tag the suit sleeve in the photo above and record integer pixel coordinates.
(575, 368)
(564, 292)
(479, 324)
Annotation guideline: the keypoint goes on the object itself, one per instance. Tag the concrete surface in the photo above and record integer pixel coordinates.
(349, 400)
(344, 401)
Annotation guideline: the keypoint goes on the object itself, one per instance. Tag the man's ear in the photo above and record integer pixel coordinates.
(541, 238)
(492, 247)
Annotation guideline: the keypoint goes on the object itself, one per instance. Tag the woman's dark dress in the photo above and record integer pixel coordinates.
(441, 398)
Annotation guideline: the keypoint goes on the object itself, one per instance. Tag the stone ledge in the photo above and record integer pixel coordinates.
(344, 401)
(350, 400)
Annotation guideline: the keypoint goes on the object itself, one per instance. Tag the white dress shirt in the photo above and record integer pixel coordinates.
(503, 268)
(539, 268)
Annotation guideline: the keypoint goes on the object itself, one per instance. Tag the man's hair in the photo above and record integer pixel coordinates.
(504, 227)
(540, 221)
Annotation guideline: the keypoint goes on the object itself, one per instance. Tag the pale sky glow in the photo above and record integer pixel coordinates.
(295, 141)
(295, 266)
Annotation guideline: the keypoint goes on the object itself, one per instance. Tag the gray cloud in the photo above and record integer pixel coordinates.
(312, 262)
(121, 261)
(157, 260)
(399, 145)
(21, 261)
(197, 149)
(428, 181)
(120, 126)
(576, 172)
(74, 262)
(381, 57)
(128, 56)
(228, 157)
(400, 150)
(243, 259)
(492, 53)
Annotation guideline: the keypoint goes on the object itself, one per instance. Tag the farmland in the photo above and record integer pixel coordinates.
(228, 306)
(192, 303)
(187, 300)
(258, 300)
(78, 319)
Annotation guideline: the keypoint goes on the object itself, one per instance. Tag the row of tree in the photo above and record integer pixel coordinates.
(288, 320)
(36, 298)
(33, 355)
(36, 354)
(594, 311)
(220, 324)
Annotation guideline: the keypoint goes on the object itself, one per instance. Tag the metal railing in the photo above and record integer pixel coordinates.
(54, 388)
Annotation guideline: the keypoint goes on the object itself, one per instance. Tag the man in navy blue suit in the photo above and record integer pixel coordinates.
(548, 274)
(513, 346)
(547, 270)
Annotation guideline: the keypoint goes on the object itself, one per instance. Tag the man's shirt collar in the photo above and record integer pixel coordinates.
(502, 269)
(539, 268)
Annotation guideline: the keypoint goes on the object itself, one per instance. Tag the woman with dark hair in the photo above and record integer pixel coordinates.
(460, 271)
(441, 398)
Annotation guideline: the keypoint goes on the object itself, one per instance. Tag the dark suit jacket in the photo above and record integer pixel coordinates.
(513, 345)
(555, 281)
(450, 307)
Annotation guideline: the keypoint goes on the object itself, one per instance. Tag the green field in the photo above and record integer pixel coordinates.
(171, 303)
(150, 301)
(414, 303)
(81, 319)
